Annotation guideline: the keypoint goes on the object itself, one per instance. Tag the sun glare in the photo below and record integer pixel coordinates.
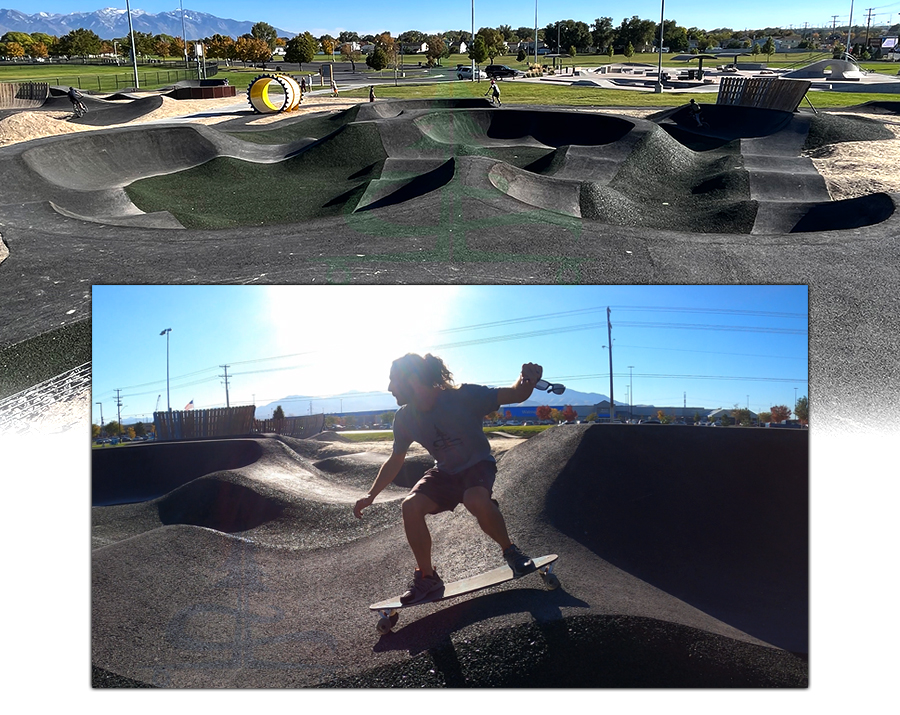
(344, 338)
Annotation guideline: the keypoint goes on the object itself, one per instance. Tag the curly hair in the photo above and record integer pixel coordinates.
(430, 370)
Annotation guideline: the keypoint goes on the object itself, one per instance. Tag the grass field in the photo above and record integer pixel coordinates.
(110, 78)
(529, 431)
(546, 93)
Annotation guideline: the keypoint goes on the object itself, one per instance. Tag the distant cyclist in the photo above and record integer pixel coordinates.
(77, 105)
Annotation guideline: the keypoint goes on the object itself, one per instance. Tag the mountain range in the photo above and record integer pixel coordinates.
(111, 23)
(295, 405)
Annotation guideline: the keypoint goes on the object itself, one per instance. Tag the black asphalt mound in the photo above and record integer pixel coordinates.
(33, 360)
(723, 123)
(271, 552)
(102, 113)
(875, 107)
(595, 652)
(552, 129)
(732, 541)
(394, 159)
(847, 214)
(145, 471)
(690, 191)
(325, 176)
(115, 109)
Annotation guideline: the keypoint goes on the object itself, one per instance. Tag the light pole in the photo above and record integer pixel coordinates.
(183, 37)
(631, 393)
(101, 417)
(849, 33)
(472, 38)
(662, 13)
(133, 48)
(168, 400)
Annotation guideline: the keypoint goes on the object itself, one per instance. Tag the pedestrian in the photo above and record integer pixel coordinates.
(303, 85)
(334, 92)
(494, 91)
(371, 93)
(447, 421)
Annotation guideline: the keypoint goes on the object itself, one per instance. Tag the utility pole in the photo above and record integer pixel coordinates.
(119, 408)
(868, 22)
(227, 403)
(612, 409)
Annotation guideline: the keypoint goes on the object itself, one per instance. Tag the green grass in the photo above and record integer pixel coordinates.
(525, 432)
(95, 78)
(110, 78)
(218, 193)
(369, 436)
(514, 92)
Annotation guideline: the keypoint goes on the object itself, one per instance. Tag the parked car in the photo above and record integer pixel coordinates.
(501, 71)
(466, 73)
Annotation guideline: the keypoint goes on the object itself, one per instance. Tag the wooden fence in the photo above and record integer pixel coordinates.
(17, 95)
(196, 424)
(299, 427)
(231, 422)
(762, 92)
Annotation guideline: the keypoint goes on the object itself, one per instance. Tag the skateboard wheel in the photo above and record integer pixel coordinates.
(551, 580)
(386, 624)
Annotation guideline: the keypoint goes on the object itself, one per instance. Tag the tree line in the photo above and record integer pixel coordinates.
(573, 37)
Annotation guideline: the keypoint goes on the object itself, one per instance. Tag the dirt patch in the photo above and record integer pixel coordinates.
(853, 169)
(26, 125)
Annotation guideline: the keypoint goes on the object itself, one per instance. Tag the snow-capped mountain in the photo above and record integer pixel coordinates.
(111, 23)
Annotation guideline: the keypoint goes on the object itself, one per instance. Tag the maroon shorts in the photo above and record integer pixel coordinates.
(446, 490)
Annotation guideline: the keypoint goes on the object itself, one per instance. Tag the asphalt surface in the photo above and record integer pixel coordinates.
(675, 572)
(444, 191)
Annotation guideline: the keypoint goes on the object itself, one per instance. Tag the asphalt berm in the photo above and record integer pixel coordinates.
(675, 572)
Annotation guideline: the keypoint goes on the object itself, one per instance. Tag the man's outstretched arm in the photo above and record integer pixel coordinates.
(524, 386)
(388, 472)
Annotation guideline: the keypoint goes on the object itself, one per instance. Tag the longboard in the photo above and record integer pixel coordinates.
(389, 610)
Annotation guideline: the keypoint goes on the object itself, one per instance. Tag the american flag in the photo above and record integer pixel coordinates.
(189, 405)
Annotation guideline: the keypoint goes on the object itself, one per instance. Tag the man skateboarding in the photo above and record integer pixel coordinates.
(447, 421)
(494, 92)
(695, 112)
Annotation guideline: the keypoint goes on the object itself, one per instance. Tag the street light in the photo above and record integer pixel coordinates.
(101, 417)
(183, 36)
(631, 393)
(137, 83)
(662, 14)
(168, 400)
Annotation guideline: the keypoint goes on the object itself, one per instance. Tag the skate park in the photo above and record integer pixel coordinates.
(452, 190)
(676, 576)
(59, 246)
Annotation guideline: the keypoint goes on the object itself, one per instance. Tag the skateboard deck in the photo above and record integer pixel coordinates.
(389, 609)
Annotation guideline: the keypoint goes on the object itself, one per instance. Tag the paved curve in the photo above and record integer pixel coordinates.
(250, 570)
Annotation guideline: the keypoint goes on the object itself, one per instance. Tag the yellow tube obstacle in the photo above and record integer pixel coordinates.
(287, 100)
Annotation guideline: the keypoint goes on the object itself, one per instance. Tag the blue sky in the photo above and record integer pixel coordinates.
(721, 345)
(400, 15)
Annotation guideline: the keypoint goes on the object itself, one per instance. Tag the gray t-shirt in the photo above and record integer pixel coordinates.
(452, 430)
